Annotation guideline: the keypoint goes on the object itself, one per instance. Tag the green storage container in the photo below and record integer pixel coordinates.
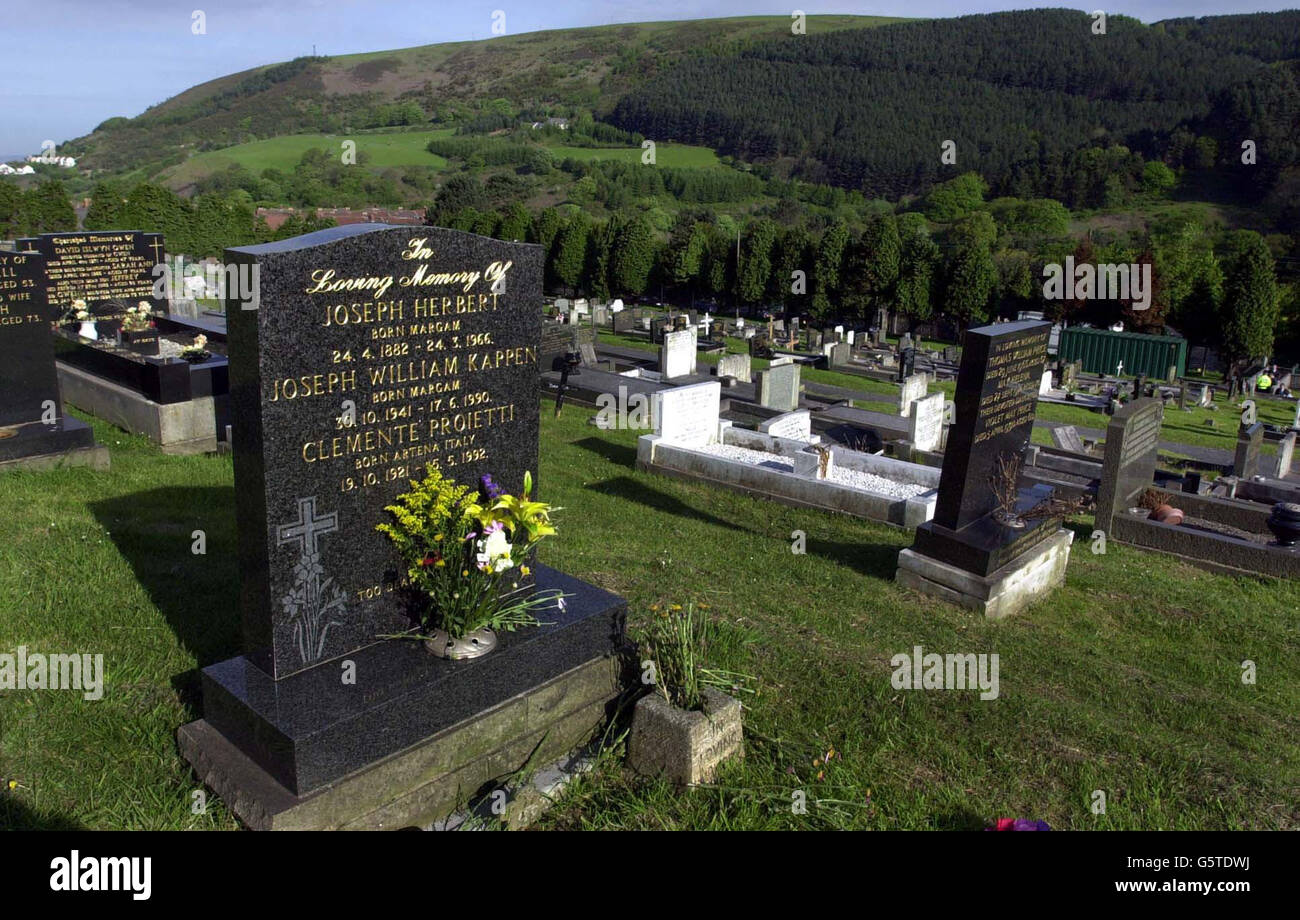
(1101, 351)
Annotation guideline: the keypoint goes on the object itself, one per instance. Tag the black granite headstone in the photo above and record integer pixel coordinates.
(996, 397)
(31, 410)
(375, 351)
(1129, 465)
(106, 269)
(906, 363)
(1245, 461)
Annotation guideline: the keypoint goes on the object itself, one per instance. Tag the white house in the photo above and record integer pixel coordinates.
(52, 159)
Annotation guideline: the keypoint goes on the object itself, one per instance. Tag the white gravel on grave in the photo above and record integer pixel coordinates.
(854, 479)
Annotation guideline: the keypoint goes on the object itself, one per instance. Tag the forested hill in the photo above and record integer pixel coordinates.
(871, 108)
(539, 73)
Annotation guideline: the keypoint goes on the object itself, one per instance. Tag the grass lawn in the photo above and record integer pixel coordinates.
(1126, 680)
(283, 153)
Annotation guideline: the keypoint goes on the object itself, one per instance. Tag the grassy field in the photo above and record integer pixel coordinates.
(283, 153)
(1126, 680)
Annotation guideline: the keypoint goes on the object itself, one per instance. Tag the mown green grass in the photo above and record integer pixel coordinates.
(1126, 680)
(405, 148)
(101, 563)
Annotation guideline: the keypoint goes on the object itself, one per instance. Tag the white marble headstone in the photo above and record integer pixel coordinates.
(688, 416)
(925, 424)
(795, 425)
(677, 354)
(913, 388)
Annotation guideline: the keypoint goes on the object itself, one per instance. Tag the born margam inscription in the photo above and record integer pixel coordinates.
(376, 352)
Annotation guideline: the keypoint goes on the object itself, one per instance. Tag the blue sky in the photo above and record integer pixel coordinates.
(66, 65)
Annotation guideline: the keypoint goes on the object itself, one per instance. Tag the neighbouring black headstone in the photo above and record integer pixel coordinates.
(374, 352)
(997, 393)
(1245, 461)
(32, 422)
(1129, 465)
(906, 363)
(106, 269)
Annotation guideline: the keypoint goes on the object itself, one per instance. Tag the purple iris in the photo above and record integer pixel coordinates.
(490, 487)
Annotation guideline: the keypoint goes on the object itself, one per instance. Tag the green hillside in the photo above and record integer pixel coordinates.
(574, 68)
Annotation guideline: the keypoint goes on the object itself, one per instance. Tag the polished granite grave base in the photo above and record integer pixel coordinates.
(70, 442)
(310, 731)
(1006, 590)
(985, 545)
(179, 428)
(425, 782)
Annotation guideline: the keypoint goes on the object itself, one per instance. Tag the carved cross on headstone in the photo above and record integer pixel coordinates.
(1119, 370)
(157, 247)
(308, 528)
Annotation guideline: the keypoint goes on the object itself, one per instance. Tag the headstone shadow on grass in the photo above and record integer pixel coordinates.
(15, 816)
(197, 593)
(878, 560)
(629, 489)
(621, 454)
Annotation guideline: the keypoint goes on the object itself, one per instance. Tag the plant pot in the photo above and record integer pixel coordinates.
(1167, 514)
(88, 331)
(198, 357)
(684, 747)
(472, 645)
(1284, 522)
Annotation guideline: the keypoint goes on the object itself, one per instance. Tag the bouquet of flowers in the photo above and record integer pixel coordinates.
(465, 550)
(78, 313)
(137, 318)
(196, 351)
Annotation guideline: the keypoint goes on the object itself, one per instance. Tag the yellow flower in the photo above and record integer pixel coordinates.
(526, 570)
(13, 784)
(440, 564)
(674, 606)
(464, 573)
(654, 608)
(438, 538)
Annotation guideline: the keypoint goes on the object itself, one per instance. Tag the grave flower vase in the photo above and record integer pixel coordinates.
(684, 747)
(88, 330)
(475, 644)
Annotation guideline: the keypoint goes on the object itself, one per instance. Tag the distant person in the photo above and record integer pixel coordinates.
(1264, 382)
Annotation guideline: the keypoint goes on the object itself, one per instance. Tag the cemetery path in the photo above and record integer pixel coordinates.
(830, 391)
